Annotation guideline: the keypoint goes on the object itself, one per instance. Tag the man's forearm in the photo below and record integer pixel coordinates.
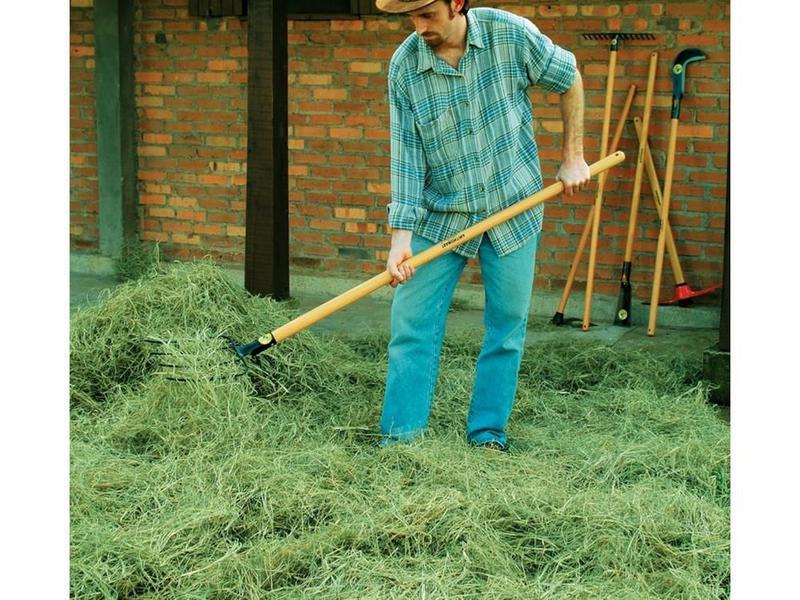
(401, 237)
(571, 105)
(574, 172)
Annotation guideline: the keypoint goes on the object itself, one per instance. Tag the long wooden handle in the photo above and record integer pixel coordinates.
(307, 319)
(662, 235)
(655, 187)
(587, 228)
(598, 201)
(637, 181)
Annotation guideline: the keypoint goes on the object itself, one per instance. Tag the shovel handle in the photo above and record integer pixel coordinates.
(363, 289)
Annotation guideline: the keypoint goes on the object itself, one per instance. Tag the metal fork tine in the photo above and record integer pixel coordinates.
(191, 359)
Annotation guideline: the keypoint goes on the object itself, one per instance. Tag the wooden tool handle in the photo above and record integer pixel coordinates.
(655, 187)
(662, 235)
(637, 181)
(598, 202)
(307, 319)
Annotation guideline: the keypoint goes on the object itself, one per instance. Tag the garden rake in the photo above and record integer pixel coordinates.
(261, 343)
(615, 38)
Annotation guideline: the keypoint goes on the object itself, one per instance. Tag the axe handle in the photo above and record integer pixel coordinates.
(662, 235)
(587, 228)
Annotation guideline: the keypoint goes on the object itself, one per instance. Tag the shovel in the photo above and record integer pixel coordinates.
(307, 319)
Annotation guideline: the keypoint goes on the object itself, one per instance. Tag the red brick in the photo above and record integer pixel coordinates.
(365, 67)
(214, 179)
(149, 77)
(354, 25)
(346, 132)
(82, 50)
(224, 65)
(156, 138)
(330, 94)
(161, 212)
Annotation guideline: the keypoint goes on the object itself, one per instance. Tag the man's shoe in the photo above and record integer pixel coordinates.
(493, 445)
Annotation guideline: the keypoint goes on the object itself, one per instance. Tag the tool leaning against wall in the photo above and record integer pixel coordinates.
(684, 294)
(682, 60)
(623, 313)
(593, 216)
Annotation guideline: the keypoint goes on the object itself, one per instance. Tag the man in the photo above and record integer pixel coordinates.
(462, 148)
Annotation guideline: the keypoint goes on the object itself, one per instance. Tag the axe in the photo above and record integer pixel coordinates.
(684, 58)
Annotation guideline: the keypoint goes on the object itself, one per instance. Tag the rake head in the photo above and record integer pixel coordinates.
(618, 35)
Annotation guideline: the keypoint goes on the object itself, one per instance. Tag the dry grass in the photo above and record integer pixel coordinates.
(270, 484)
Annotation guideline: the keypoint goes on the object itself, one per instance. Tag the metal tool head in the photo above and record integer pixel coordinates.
(191, 358)
(684, 295)
(616, 37)
(252, 349)
(686, 56)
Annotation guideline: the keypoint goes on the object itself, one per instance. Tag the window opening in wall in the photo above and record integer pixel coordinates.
(297, 9)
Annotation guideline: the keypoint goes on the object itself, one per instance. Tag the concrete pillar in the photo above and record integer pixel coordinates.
(116, 146)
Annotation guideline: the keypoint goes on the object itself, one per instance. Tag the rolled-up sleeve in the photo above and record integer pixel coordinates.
(407, 165)
(548, 65)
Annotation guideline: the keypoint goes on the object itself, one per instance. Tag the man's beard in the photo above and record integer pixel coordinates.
(435, 40)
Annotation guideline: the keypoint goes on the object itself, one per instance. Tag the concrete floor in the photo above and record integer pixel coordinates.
(692, 330)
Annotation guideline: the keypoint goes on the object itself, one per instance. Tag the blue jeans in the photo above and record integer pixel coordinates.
(419, 311)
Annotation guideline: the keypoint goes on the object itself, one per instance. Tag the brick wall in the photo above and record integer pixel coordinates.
(191, 86)
(191, 96)
(84, 234)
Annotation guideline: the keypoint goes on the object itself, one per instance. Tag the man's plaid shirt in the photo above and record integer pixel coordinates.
(462, 143)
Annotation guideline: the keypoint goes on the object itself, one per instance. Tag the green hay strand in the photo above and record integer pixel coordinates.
(270, 484)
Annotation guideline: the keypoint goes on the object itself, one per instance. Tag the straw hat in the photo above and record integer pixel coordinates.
(401, 6)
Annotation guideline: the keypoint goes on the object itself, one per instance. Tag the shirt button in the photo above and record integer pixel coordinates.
(482, 187)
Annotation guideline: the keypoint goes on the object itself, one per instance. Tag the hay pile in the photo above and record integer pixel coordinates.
(270, 484)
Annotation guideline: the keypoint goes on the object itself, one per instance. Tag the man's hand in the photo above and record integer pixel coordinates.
(574, 172)
(399, 252)
(574, 175)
